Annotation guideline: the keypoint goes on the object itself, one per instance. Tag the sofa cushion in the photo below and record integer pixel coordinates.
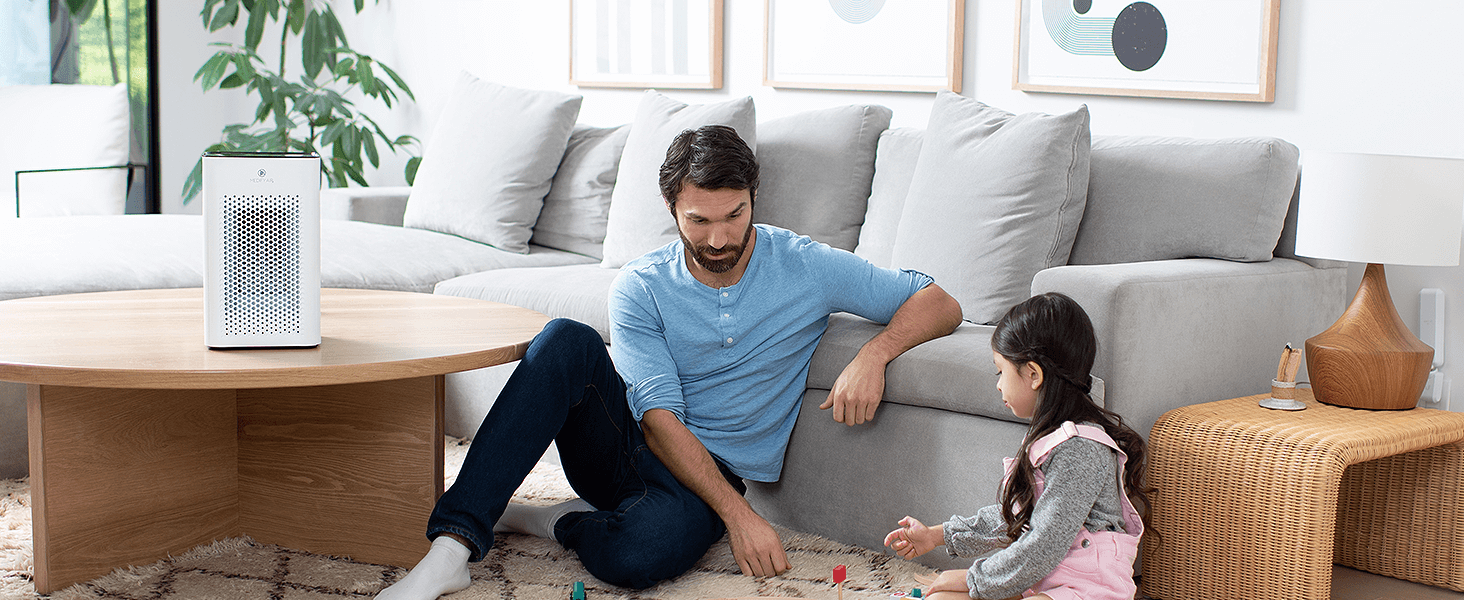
(62, 255)
(952, 373)
(894, 165)
(380, 257)
(1155, 198)
(817, 167)
(576, 292)
(995, 198)
(578, 203)
(44, 256)
(639, 221)
(58, 127)
(489, 162)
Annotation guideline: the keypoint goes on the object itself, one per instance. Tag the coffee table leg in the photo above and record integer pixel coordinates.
(348, 470)
(126, 477)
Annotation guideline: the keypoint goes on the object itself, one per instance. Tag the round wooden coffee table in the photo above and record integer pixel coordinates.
(145, 443)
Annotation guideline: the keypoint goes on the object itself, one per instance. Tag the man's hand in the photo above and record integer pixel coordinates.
(926, 315)
(756, 546)
(857, 391)
(914, 538)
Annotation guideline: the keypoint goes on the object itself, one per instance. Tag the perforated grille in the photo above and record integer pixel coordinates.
(261, 265)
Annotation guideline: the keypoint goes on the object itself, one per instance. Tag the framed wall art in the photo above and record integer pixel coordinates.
(877, 45)
(646, 43)
(1157, 48)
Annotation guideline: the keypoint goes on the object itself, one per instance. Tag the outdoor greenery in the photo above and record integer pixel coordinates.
(310, 113)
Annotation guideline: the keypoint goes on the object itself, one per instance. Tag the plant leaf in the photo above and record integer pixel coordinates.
(231, 82)
(398, 80)
(359, 5)
(207, 12)
(368, 77)
(413, 164)
(228, 14)
(369, 143)
(213, 70)
(311, 43)
(254, 30)
(295, 14)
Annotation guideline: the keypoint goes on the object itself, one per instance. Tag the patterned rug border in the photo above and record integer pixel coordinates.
(517, 568)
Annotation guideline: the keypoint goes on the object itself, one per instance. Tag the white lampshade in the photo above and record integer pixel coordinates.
(1370, 208)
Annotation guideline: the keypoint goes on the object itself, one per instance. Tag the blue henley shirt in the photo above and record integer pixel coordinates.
(731, 363)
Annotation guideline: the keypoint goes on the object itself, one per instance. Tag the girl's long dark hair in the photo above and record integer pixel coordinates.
(1053, 331)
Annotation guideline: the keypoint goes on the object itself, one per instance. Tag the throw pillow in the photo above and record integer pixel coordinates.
(62, 127)
(578, 203)
(639, 221)
(817, 167)
(894, 165)
(995, 198)
(1153, 198)
(489, 162)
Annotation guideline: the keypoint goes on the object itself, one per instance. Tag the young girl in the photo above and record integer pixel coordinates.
(1065, 528)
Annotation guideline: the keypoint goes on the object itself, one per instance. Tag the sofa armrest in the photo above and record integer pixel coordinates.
(1178, 332)
(384, 205)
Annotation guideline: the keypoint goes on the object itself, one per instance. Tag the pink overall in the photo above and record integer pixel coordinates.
(1098, 566)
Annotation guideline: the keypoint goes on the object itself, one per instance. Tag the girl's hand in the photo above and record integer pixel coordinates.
(914, 538)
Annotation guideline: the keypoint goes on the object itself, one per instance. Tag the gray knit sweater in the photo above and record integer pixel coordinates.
(1081, 490)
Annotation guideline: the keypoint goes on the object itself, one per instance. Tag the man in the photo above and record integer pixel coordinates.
(711, 341)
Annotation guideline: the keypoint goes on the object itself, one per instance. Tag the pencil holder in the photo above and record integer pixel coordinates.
(1283, 396)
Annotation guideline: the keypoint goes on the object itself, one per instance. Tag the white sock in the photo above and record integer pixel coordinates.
(537, 520)
(443, 571)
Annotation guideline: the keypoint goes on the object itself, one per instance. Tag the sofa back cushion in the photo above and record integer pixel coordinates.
(638, 221)
(578, 204)
(62, 127)
(489, 162)
(817, 168)
(894, 166)
(995, 198)
(1157, 198)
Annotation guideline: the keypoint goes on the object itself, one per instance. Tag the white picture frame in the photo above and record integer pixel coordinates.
(865, 45)
(1155, 48)
(664, 44)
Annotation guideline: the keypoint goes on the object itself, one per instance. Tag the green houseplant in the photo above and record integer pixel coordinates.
(312, 112)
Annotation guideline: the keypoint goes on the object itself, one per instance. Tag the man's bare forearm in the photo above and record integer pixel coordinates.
(691, 464)
(928, 314)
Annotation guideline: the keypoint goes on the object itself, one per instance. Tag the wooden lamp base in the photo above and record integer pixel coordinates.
(1368, 358)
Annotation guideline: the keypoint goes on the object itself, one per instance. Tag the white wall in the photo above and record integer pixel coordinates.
(1352, 75)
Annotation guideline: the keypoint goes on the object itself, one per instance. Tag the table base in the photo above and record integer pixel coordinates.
(130, 476)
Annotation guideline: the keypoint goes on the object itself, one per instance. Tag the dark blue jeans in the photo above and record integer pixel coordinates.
(648, 527)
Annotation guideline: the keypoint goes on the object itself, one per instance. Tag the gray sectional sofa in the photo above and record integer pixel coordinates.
(1183, 256)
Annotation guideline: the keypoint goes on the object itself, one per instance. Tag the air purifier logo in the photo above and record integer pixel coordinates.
(263, 178)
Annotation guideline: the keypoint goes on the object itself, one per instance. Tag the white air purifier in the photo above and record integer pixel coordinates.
(261, 284)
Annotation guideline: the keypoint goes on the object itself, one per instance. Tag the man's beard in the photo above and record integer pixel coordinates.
(721, 265)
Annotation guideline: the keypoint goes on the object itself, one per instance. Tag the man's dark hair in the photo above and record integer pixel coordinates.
(711, 157)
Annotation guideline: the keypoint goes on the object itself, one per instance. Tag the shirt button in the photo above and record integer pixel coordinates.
(724, 294)
(726, 315)
(729, 340)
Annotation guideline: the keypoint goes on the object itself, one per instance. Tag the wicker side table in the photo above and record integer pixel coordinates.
(1255, 503)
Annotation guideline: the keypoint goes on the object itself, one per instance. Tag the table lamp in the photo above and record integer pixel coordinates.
(1378, 210)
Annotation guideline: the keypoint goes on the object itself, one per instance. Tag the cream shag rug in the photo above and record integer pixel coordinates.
(519, 567)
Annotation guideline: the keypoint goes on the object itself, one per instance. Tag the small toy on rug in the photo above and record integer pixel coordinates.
(841, 573)
(579, 591)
